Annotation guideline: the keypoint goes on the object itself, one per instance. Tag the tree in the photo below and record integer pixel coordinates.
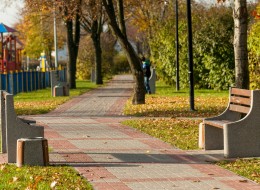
(254, 51)
(240, 16)
(86, 57)
(117, 23)
(144, 16)
(240, 44)
(71, 15)
(35, 31)
(212, 55)
(70, 12)
(92, 21)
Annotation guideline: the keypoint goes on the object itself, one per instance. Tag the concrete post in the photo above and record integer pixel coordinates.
(152, 80)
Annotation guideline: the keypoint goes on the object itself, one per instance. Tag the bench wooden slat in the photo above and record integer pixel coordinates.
(240, 100)
(240, 92)
(239, 108)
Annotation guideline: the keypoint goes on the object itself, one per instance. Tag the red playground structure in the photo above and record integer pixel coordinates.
(11, 58)
(10, 50)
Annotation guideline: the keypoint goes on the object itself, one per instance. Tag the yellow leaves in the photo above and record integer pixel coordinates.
(15, 179)
(37, 106)
(255, 174)
(249, 168)
(2, 167)
(34, 181)
(53, 184)
(181, 133)
(256, 14)
(177, 106)
(32, 178)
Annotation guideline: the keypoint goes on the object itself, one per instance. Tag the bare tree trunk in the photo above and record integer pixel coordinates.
(240, 44)
(69, 26)
(137, 71)
(73, 39)
(117, 23)
(95, 35)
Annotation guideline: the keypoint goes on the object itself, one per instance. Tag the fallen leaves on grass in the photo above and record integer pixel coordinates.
(32, 178)
(177, 106)
(53, 184)
(181, 133)
(39, 107)
(249, 168)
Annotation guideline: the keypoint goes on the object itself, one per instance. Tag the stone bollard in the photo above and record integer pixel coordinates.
(32, 152)
(93, 75)
(152, 80)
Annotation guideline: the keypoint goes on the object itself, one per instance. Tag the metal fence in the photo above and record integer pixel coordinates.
(26, 81)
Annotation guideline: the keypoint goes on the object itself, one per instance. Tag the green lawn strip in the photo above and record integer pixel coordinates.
(50, 177)
(41, 101)
(11, 177)
(178, 128)
(181, 133)
(249, 168)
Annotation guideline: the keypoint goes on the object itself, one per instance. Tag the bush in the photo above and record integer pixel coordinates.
(254, 55)
(120, 64)
(212, 48)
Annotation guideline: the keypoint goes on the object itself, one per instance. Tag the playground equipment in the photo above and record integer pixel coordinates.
(10, 50)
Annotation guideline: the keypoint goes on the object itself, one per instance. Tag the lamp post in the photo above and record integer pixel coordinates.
(176, 41)
(55, 37)
(177, 45)
(191, 80)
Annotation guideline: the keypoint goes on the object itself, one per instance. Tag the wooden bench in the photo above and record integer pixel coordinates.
(237, 129)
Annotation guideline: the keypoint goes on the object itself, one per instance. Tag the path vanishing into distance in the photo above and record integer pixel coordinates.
(86, 133)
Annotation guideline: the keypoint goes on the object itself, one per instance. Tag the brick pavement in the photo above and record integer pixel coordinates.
(86, 133)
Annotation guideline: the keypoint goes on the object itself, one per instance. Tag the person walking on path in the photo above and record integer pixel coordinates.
(147, 74)
(86, 133)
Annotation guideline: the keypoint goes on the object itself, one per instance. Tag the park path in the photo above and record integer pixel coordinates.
(86, 133)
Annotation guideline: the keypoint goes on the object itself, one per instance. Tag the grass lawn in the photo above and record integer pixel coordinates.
(41, 101)
(51, 177)
(168, 117)
(249, 168)
(169, 103)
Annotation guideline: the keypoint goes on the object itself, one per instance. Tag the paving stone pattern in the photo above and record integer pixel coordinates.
(86, 133)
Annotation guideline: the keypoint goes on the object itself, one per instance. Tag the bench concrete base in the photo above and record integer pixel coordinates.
(32, 152)
(13, 127)
(58, 88)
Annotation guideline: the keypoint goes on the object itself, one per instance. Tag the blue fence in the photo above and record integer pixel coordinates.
(26, 81)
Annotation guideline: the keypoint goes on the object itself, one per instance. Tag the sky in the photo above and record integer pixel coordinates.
(10, 15)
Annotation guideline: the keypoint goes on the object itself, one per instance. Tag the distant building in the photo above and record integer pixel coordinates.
(63, 55)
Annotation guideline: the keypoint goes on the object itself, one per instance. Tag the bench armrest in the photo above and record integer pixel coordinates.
(28, 121)
(227, 114)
